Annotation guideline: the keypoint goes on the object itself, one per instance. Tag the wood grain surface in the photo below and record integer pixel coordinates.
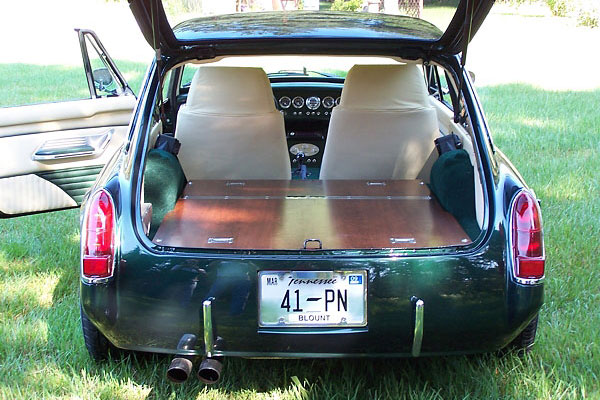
(283, 214)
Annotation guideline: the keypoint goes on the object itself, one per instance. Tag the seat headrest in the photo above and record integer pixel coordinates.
(230, 90)
(385, 87)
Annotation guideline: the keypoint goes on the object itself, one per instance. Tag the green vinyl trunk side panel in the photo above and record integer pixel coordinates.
(163, 183)
(76, 182)
(452, 183)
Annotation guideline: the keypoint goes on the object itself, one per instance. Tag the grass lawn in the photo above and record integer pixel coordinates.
(29, 84)
(552, 137)
(324, 5)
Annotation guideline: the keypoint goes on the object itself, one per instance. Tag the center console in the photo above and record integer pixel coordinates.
(307, 108)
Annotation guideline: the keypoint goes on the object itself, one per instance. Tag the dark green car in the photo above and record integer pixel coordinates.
(295, 183)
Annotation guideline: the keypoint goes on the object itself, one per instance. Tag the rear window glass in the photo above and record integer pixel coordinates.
(437, 12)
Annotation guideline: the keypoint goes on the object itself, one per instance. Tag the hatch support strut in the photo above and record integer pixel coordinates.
(156, 45)
(460, 114)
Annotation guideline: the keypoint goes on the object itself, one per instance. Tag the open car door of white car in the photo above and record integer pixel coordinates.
(51, 153)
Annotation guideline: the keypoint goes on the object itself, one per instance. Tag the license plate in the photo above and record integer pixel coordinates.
(312, 298)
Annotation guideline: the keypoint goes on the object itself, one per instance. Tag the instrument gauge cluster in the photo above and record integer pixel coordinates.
(315, 104)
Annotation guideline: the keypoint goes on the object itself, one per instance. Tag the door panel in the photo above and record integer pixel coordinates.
(52, 153)
(19, 142)
(30, 193)
(88, 113)
(74, 181)
(46, 164)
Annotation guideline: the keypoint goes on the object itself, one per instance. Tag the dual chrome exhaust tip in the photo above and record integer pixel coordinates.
(209, 371)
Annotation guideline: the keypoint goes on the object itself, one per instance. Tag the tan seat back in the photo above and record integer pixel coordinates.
(229, 127)
(384, 127)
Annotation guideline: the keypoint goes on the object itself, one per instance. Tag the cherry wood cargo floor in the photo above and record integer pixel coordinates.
(281, 215)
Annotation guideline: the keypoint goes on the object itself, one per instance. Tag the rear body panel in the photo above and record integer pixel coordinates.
(470, 304)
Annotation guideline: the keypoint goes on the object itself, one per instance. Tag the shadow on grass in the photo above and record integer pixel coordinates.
(442, 377)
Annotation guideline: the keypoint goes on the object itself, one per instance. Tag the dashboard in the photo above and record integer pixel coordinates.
(306, 107)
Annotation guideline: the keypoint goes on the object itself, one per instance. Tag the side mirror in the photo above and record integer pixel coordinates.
(472, 76)
(102, 78)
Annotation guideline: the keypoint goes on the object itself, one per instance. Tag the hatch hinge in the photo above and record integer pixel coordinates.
(205, 53)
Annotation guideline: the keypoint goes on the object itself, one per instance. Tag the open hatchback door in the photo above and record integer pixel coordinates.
(52, 152)
(158, 31)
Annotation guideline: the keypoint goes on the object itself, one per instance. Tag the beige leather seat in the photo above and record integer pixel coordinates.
(230, 129)
(384, 127)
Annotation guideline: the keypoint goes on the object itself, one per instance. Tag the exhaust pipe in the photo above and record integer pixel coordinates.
(210, 370)
(179, 370)
(181, 366)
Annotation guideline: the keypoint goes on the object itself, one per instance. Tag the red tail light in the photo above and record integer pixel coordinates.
(98, 237)
(527, 238)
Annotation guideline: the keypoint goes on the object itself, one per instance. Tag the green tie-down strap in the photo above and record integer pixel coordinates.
(164, 181)
(452, 183)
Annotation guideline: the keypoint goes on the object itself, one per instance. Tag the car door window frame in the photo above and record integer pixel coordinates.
(435, 86)
(90, 35)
